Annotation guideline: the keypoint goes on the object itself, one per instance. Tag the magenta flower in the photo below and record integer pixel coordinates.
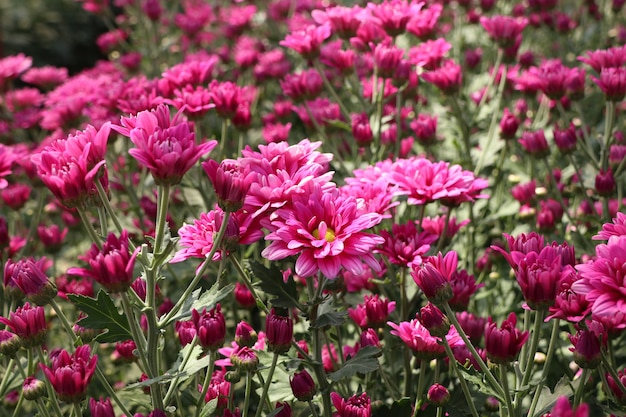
(101, 407)
(424, 181)
(504, 343)
(617, 228)
(355, 406)
(344, 21)
(568, 304)
(539, 275)
(302, 386)
(112, 265)
(302, 86)
(29, 323)
(421, 342)
(562, 408)
(433, 277)
(326, 232)
(70, 374)
(231, 181)
(45, 77)
(12, 66)
(605, 58)
(504, 30)
(429, 54)
(535, 143)
(165, 145)
(307, 41)
(404, 245)
(447, 78)
(602, 283)
(423, 24)
(210, 327)
(612, 82)
(279, 332)
(30, 277)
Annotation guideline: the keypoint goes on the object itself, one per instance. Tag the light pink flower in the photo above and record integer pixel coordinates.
(602, 283)
(617, 228)
(325, 230)
(419, 340)
(307, 42)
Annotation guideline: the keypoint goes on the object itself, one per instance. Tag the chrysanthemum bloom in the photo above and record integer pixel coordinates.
(218, 388)
(285, 409)
(568, 304)
(344, 21)
(243, 296)
(302, 386)
(434, 320)
(166, 146)
(433, 277)
(12, 66)
(123, 352)
(29, 276)
(429, 55)
(101, 407)
(210, 327)
(424, 182)
(245, 335)
(52, 237)
(474, 327)
(193, 72)
(302, 86)
(194, 102)
(615, 388)
(612, 82)
(605, 183)
(605, 58)
(279, 332)
(602, 282)
(387, 59)
(417, 338)
(272, 65)
(553, 78)
(70, 374)
(425, 129)
(186, 331)
(29, 323)
(404, 245)
(587, 346)
(307, 41)
(562, 408)
(423, 24)
(535, 143)
(112, 266)
(45, 77)
(504, 343)
(504, 29)
(326, 232)
(369, 337)
(245, 359)
(377, 310)
(361, 129)
(565, 139)
(463, 287)
(15, 195)
(355, 406)
(231, 181)
(447, 78)
(538, 275)
(617, 228)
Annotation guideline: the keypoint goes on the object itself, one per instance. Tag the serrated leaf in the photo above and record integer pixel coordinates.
(102, 314)
(547, 399)
(271, 282)
(328, 316)
(363, 362)
(473, 376)
(209, 408)
(207, 300)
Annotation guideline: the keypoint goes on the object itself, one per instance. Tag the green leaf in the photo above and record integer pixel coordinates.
(363, 362)
(271, 282)
(196, 301)
(102, 314)
(547, 399)
(328, 316)
(476, 378)
(209, 408)
(400, 408)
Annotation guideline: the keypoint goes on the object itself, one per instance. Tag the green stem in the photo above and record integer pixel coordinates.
(217, 241)
(465, 130)
(161, 220)
(444, 234)
(554, 336)
(77, 410)
(314, 412)
(246, 402)
(505, 386)
(138, 336)
(107, 205)
(578, 396)
(483, 367)
(420, 387)
(90, 230)
(174, 384)
(34, 222)
(526, 366)
(492, 79)
(7, 377)
(267, 384)
(225, 124)
(331, 89)
(52, 397)
(246, 281)
(462, 381)
(207, 382)
(609, 120)
(103, 221)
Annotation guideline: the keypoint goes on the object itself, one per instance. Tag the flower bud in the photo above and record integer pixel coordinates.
(10, 343)
(245, 335)
(33, 388)
(243, 297)
(434, 320)
(302, 386)
(279, 332)
(101, 407)
(438, 395)
(605, 183)
(285, 409)
(210, 327)
(434, 285)
(586, 349)
(245, 359)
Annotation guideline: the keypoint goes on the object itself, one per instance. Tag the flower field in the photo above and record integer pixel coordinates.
(303, 208)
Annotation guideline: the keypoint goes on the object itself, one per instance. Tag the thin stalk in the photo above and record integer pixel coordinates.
(78, 412)
(138, 336)
(444, 233)
(314, 412)
(578, 396)
(34, 222)
(554, 335)
(609, 121)
(103, 221)
(267, 384)
(492, 80)
(41, 406)
(331, 89)
(505, 386)
(161, 219)
(248, 394)
(462, 381)
(611, 370)
(225, 123)
(526, 365)
(246, 281)
(207, 382)
(52, 397)
(420, 387)
(7, 376)
(18, 406)
(183, 298)
(111, 211)
(465, 130)
(483, 367)
(88, 226)
(173, 385)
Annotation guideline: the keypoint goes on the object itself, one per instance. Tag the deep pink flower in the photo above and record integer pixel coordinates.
(565, 139)
(12, 66)
(437, 225)
(474, 327)
(70, 374)
(29, 323)
(425, 129)
(438, 395)
(52, 236)
(194, 102)
(538, 275)
(393, 16)
(602, 283)
(612, 82)
(272, 64)
(302, 386)
(355, 406)
(218, 388)
(421, 342)
(361, 129)
(586, 345)
(227, 96)
(605, 58)
(10, 343)
(617, 228)
(279, 332)
(344, 21)
(429, 54)
(123, 352)
(504, 30)
(525, 193)
(165, 145)
(276, 132)
(568, 304)
(45, 77)
(302, 86)
(193, 72)
(404, 245)
(535, 143)
(326, 231)
(433, 277)
(375, 310)
(245, 335)
(307, 41)
(231, 181)
(15, 195)
(30, 277)
(387, 59)
(504, 343)
(434, 320)
(33, 388)
(112, 265)
(562, 408)
(101, 407)
(423, 24)
(463, 287)
(186, 331)
(447, 78)
(210, 327)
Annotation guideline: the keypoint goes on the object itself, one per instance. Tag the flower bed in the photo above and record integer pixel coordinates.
(295, 208)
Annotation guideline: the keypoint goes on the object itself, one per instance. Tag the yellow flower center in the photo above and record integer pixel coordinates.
(329, 236)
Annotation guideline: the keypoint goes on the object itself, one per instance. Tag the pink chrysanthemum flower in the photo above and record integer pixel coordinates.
(421, 342)
(404, 245)
(12, 66)
(602, 283)
(377, 195)
(424, 181)
(7, 157)
(617, 228)
(165, 145)
(307, 41)
(504, 30)
(325, 230)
